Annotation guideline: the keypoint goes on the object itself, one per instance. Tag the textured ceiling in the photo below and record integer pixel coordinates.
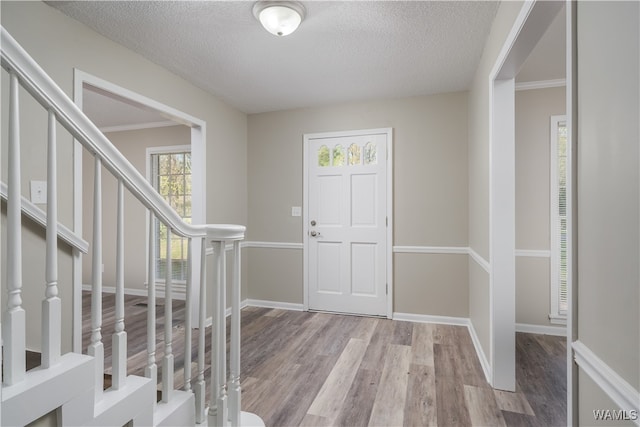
(343, 51)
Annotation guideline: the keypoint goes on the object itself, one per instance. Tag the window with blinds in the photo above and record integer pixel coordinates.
(559, 219)
(171, 177)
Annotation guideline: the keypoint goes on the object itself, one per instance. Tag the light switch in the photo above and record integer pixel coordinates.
(39, 192)
(296, 211)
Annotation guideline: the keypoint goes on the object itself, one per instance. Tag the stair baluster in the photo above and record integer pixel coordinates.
(13, 324)
(235, 391)
(119, 339)
(187, 320)
(96, 348)
(200, 388)
(151, 370)
(167, 360)
(218, 412)
(51, 305)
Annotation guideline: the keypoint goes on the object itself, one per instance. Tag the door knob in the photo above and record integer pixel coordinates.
(313, 234)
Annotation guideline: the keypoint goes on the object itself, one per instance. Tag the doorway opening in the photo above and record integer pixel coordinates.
(531, 24)
(119, 112)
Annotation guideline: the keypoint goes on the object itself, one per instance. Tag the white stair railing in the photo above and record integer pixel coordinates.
(24, 71)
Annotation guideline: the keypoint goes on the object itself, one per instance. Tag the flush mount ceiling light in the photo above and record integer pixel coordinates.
(280, 18)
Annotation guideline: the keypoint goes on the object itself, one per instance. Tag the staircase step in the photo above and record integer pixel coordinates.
(44, 390)
(33, 359)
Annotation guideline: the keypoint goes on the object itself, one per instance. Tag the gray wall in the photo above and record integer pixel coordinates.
(533, 110)
(608, 193)
(430, 195)
(60, 44)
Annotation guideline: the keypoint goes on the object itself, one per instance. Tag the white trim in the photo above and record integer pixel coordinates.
(541, 329)
(40, 217)
(486, 266)
(427, 318)
(138, 126)
(502, 233)
(620, 391)
(272, 245)
(542, 84)
(482, 357)
(572, 115)
(163, 149)
(533, 253)
(557, 319)
(389, 220)
(179, 291)
(456, 321)
(243, 304)
(462, 250)
(274, 304)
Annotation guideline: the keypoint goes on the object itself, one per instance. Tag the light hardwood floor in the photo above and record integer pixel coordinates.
(318, 369)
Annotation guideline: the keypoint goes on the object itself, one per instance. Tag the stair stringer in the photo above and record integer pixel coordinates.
(44, 390)
(134, 401)
(180, 411)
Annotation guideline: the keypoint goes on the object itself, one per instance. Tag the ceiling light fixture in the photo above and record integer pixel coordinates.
(280, 18)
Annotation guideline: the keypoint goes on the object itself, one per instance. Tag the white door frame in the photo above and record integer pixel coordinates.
(199, 203)
(530, 25)
(389, 208)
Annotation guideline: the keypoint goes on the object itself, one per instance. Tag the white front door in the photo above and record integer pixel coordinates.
(346, 222)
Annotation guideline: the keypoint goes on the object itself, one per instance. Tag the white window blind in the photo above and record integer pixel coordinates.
(559, 218)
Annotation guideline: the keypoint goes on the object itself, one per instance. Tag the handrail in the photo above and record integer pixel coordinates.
(40, 217)
(48, 93)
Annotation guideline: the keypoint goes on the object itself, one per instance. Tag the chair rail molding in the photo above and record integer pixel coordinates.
(620, 391)
(39, 216)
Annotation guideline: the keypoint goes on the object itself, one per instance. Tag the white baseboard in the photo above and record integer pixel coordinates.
(274, 304)
(617, 388)
(456, 321)
(425, 318)
(541, 329)
(179, 291)
(484, 362)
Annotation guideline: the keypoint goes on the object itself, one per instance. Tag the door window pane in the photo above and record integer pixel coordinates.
(370, 154)
(323, 156)
(354, 154)
(338, 156)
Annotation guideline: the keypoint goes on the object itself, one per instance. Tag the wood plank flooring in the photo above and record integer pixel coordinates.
(318, 369)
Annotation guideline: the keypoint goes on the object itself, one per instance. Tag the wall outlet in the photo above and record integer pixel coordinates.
(39, 192)
(296, 211)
